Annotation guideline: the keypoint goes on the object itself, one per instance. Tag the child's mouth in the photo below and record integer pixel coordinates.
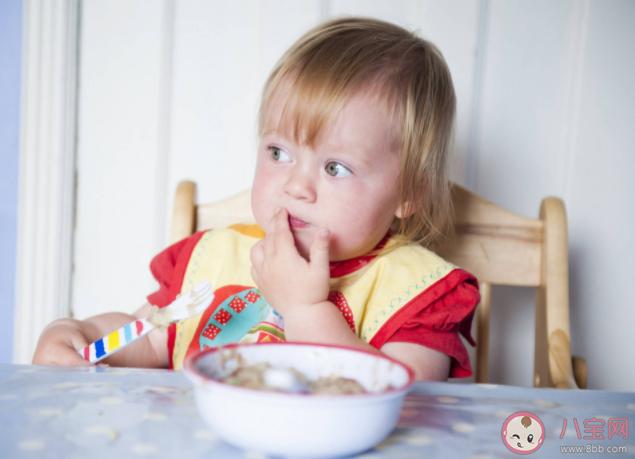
(297, 223)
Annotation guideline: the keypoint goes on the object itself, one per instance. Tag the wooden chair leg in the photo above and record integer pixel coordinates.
(579, 371)
(481, 374)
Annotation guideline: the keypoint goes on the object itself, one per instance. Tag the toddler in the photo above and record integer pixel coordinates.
(350, 187)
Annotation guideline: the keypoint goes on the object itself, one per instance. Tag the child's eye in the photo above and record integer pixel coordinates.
(337, 170)
(516, 436)
(530, 438)
(278, 154)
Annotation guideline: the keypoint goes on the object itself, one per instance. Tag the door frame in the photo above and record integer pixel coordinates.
(46, 197)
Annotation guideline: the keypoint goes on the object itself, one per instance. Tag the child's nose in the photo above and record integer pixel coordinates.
(300, 185)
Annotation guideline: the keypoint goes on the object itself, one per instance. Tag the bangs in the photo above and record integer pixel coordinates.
(310, 106)
(314, 101)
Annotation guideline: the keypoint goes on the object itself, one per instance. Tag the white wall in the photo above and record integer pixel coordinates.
(169, 91)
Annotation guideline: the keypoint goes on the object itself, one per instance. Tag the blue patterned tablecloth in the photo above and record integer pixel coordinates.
(54, 412)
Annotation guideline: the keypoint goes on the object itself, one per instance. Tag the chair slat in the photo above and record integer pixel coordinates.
(497, 246)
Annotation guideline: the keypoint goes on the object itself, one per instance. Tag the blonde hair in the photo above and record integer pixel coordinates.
(333, 61)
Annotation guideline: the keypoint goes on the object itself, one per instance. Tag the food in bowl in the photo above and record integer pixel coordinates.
(265, 377)
(300, 424)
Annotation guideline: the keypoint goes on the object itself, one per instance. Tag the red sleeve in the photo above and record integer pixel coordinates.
(436, 318)
(168, 268)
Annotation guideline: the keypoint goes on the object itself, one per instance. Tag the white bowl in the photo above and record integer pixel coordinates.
(300, 425)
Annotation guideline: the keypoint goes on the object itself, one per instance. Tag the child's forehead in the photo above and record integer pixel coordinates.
(313, 122)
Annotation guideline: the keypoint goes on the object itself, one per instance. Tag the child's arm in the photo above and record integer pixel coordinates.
(323, 323)
(298, 291)
(60, 340)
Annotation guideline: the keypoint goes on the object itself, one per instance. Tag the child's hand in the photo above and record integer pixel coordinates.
(287, 280)
(58, 343)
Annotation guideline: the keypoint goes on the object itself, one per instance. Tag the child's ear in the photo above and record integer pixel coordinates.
(404, 211)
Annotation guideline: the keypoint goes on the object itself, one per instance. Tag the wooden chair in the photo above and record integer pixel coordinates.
(497, 246)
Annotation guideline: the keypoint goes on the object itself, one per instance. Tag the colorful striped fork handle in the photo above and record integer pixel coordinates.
(118, 339)
(189, 304)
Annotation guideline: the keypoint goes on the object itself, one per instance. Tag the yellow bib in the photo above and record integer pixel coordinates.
(367, 298)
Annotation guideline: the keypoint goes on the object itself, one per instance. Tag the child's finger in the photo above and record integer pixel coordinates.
(319, 255)
(70, 358)
(271, 227)
(283, 238)
(269, 246)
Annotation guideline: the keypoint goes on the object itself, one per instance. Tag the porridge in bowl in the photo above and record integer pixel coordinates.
(263, 376)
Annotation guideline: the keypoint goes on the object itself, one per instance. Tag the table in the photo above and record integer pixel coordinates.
(52, 412)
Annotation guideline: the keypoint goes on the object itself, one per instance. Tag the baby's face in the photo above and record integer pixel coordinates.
(523, 438)
(348, 183)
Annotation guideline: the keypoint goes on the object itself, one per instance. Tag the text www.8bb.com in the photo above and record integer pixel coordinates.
(594, 449)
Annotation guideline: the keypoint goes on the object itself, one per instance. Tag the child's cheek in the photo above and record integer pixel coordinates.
(262, 198)
(258, 208)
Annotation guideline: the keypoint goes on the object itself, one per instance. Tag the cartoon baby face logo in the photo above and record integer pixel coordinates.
(523, 432)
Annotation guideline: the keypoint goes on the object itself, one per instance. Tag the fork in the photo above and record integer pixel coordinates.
(189, 304)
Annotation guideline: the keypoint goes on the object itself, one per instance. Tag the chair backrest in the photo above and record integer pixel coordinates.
(497, 246)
